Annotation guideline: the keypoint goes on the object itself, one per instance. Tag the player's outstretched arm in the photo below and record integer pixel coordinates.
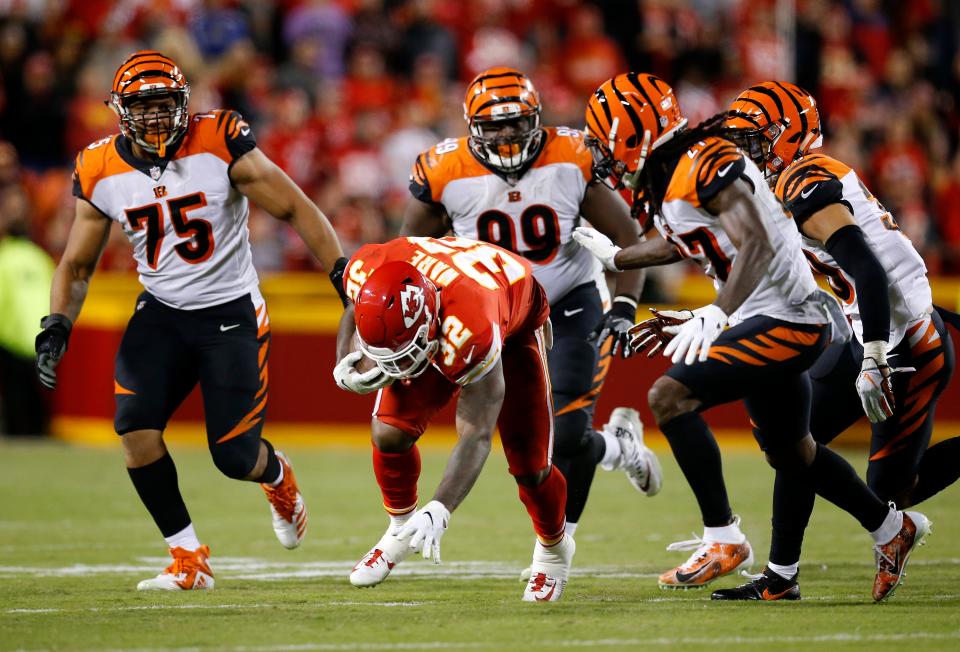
(424, 219)
(88, 236)
(261, 180)
(647, 253)
(477, 410)
(609, 214)
(740, 218)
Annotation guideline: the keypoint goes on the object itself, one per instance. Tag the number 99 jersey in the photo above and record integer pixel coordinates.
(814, 182)
(533, 217)
(186, 221)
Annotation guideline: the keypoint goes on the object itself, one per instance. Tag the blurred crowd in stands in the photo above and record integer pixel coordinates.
(343, 94)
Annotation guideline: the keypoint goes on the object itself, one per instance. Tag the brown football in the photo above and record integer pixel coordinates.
(364, 364)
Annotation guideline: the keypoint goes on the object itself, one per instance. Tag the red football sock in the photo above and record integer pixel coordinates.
(397, 474)
(546, 505)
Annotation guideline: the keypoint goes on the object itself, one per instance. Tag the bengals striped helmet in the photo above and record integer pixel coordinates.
(502, 109)
(775, 123)
(628, 117)
(150, 94)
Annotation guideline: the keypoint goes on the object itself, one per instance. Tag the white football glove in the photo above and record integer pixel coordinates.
(599, 245)
(425, 529)
(873, 383)
(350, 379)
(695, 334)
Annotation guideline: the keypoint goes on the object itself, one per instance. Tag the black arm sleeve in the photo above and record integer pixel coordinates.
(849, 248)
(336, 278)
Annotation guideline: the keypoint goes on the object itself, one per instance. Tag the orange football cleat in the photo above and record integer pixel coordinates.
(708, 562)
(892, 556)
(287, 506)
(189, 571)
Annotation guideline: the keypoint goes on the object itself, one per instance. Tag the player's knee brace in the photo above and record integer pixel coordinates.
(236, 458)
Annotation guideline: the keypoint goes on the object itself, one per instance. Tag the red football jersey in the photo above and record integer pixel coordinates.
(487, 294)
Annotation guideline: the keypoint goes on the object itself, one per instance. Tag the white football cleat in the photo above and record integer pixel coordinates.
(636, 460)
(549, 570)
(189, 571)
(287, 507)
(380, 560)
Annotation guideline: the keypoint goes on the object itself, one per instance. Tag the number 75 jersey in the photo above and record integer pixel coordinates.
(534, 217)
(187, 223)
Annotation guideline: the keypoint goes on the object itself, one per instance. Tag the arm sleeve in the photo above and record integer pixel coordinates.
(849, 248)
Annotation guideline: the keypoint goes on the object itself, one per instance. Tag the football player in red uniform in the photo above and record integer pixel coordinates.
(178, 186)
(451, 318)
(712, 204)
(524, 187)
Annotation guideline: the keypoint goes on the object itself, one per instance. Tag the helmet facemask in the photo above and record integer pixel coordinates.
(610, 170)
(151, 122)
(508, 139)
(759, 144)
(410, 360)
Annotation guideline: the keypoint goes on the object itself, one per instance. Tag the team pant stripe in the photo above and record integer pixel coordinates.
(926, 372)
(717, 353)
(770, 349)
(549, 389)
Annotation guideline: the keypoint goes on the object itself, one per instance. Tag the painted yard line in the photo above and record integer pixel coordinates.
(713, 641)
(204, 607)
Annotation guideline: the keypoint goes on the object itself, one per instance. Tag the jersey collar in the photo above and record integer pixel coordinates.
(153, 168)
(513, 177)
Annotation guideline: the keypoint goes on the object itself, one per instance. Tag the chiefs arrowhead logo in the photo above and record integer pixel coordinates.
(412, 303)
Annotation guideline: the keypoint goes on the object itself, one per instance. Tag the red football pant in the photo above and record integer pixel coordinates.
(397, 474)
(525, 424)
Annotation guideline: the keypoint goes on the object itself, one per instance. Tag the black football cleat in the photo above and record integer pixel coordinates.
(768, 586)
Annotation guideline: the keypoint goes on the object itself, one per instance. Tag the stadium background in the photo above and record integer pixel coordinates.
(343, 94)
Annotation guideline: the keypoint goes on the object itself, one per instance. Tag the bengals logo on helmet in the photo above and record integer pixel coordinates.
(628, 117)
(775, 123)
(502, 110)
(144, 77)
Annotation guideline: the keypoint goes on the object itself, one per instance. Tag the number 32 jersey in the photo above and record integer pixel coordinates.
(487, 295)
(187, 223)
(534, 217)
(816, 181)
(786, 289)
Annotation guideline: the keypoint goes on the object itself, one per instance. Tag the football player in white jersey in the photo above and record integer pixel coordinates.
(882, 284)
(711, 204)
(178, 186)
(524, 187)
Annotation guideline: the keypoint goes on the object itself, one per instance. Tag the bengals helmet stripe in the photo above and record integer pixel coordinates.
(775, 123)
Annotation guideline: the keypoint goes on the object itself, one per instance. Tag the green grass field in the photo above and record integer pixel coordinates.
(74, 541)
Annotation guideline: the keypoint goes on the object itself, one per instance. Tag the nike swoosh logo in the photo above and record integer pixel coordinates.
(766, 595)
(547, 597)
(468, 358)
(685, 578)
(245, 131)
(806, 193)
(224, 329)
(571, 313)
(722, 172)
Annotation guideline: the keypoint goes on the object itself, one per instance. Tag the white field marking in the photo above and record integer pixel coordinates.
(204, 607)
(838, 637)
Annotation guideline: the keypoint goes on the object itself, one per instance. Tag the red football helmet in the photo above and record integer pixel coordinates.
(397, 319)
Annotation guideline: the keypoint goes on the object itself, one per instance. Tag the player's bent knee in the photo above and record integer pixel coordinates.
(792, 457)
(236, 458)
(669, 399)
(142, 447)
(533, 479)
(390, 439)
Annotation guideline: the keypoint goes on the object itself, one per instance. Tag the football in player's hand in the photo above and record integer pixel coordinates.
(365, 363)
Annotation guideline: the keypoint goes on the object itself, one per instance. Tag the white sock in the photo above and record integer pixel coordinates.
(397, 521)
(890, 527)
(786, 572)
(185, 538)
(276, 483)
(726, 534)
(612, 453)
(570, 529)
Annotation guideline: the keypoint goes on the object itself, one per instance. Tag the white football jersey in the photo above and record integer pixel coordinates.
(187, 223)
(787, 290)
(534, 217)
(815, 181)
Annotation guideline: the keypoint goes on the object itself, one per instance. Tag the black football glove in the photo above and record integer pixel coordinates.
(51, 344)
(616, 323)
